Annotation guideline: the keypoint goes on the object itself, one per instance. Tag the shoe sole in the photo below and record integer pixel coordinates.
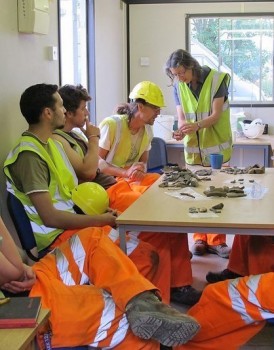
(199, 254)
(167, 331)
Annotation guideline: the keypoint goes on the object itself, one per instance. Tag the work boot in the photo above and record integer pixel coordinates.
(199, 247)
(186, 295)
(149, 318)
(222, 250)
(162, 347)
(213, 277)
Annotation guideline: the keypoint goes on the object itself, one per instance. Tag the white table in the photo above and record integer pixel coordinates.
(159, 212)
(265, 144)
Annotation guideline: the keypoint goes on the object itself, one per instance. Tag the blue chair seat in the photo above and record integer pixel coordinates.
(23, 227)
(157, 158)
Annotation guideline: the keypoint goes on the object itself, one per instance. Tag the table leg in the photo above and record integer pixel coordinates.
(122, 235)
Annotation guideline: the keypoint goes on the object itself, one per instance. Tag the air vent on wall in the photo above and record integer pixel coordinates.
(33, 16)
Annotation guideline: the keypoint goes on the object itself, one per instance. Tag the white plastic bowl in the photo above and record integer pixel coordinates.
(253, 130)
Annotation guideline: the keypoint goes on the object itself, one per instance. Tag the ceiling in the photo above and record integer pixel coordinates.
(132, 2)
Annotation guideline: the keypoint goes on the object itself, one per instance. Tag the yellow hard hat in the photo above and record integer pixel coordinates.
(149, 92)
(91, 198)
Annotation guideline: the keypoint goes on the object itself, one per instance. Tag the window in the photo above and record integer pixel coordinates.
(76, 45)
(241, 46)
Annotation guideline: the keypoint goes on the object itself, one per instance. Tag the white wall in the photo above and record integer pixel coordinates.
(156, 30)
(110, 52)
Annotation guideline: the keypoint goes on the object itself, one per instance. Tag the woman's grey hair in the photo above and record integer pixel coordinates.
(182, 58)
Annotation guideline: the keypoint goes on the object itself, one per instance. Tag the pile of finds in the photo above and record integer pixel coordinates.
(254, 169)
(225, 191)
(177, 177)
(216, 209)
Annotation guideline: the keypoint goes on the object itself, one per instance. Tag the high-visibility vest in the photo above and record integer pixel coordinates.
(72, 141)
(214, 139)
(120, 140)
(62, 180)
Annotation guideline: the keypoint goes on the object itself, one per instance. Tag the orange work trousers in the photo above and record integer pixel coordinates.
(251, 255)
(172, 248)
(125, 192)
(87, 283)
(210, 238)
(144, 255)
(174, 268)
(222, 327)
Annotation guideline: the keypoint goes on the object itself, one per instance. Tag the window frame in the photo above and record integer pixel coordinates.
(188, 17)
(90, 53)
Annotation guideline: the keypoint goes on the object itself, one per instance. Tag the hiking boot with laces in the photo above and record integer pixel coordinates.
(222, 250)
(213, 277)
(199, 247)
(186, 295)
(149, 318)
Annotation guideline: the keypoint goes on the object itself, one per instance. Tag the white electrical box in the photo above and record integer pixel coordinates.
(33, 16)
(53, 53)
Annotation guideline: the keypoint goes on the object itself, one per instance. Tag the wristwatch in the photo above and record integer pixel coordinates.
(199, 125)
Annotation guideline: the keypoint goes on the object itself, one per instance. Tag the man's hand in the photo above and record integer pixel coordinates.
(136, 171)
(90, 129)
(107, 219)
(25, 284)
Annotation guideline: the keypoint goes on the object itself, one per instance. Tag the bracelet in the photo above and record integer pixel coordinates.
(90, 136)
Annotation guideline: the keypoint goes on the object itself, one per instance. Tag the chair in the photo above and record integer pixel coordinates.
(157, 158)
(23, 227)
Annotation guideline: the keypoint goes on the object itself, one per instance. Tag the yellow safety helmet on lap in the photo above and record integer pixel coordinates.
(149, 92)
(91, 198)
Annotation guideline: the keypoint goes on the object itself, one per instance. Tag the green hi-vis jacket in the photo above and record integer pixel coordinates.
(214, 139)
(120, 140)
(62, 180)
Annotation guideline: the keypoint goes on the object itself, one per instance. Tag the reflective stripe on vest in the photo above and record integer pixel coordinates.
(207, 151)
(62, 180)
(116, 141)
(72, 141)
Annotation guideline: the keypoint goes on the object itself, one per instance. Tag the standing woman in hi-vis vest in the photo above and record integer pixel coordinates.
(201, 97)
